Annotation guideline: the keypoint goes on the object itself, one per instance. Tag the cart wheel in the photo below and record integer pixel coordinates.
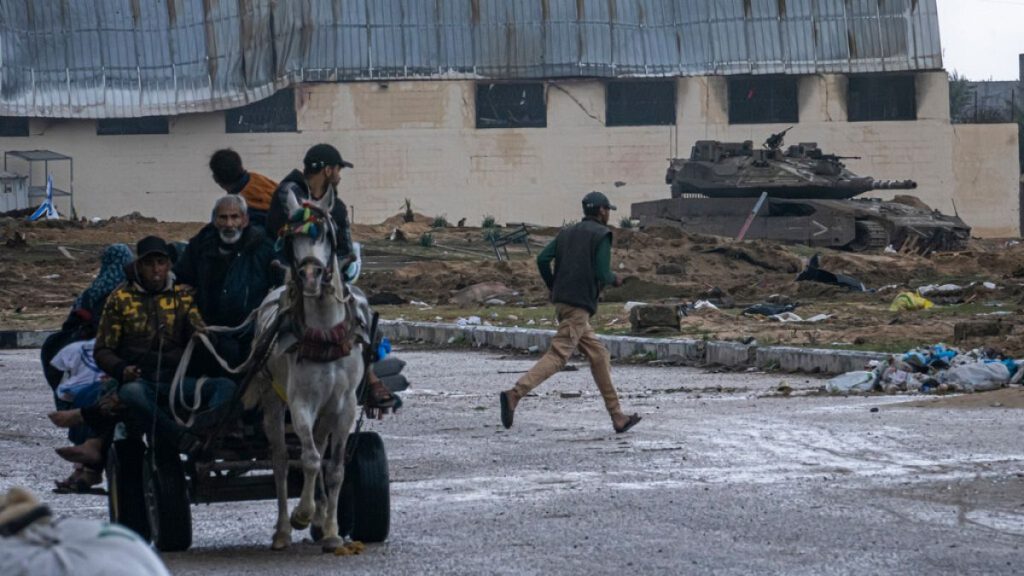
(126, 499)
(167, 503)
(364, 506)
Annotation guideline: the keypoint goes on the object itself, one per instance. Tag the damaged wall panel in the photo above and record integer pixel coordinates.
(133, 58)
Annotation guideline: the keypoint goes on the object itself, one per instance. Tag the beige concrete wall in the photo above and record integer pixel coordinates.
(418, 140)
(983, 183)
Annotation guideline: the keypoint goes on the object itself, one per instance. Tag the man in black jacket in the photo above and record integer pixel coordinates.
(228, 265)
(582, 257)
(321, 173)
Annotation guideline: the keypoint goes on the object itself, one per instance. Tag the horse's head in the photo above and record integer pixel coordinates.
(311, 236)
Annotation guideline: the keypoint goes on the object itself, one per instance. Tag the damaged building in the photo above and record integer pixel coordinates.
(513, 108)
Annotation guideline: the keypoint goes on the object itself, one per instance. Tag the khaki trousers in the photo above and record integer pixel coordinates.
(574, 331)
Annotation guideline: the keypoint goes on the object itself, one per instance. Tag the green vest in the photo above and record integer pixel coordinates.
(576, 281)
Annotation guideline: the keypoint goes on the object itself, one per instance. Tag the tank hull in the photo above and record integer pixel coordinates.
(855, 224)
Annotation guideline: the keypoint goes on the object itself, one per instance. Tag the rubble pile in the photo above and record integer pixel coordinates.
(935, 369)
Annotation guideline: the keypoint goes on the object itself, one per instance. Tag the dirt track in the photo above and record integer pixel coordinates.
(39, 281)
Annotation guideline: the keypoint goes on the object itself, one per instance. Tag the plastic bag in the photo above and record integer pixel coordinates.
(80, 547)
(909, 301)
(976, 377)
(852, 382)
(353, 269)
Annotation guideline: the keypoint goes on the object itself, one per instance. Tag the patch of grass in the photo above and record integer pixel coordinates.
(426, 240)
(625, 222)
(440, 221)
(488, 221)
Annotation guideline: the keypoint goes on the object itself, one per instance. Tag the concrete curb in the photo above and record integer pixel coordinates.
(695, 352)
(23, 338)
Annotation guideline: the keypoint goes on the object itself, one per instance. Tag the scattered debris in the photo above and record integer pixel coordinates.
(937, 369)
(791, 317)
(981, 328)
(814, 273)
(718, 297)
(386, 299)
(909, 301)
(481, 293)
(16, 240)
(768, 309)
(649, 318)
(398, 236)
(851, 382)
(65, 252)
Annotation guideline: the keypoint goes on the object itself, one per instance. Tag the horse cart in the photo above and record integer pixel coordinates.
(151, 488)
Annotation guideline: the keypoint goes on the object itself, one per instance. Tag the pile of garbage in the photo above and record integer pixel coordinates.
(935, 369)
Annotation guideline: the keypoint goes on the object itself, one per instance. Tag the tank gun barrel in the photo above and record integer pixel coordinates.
(893, 184)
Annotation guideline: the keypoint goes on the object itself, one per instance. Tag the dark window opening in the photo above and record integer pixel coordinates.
(645, 103)
(132, 126)
(511, 106)
(763, 100)
(881, 98)
(12, 126)
(274, 114)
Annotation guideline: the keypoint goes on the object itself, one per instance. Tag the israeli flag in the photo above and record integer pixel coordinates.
(47, 208)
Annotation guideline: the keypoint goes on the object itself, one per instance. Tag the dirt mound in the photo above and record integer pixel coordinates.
(55, 262)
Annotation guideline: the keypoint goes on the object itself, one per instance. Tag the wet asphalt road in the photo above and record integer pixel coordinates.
(722, 477)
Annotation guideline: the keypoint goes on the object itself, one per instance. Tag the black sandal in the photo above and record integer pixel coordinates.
(633, 421)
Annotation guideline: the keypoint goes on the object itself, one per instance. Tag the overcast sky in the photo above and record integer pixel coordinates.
(982, 39)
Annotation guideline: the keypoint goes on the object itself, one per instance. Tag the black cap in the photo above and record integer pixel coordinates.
(596, 200)
(152, 245)
(323, 155)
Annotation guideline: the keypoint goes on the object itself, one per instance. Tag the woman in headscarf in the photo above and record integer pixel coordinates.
(81, 323)
(90, 302)
(77, 332)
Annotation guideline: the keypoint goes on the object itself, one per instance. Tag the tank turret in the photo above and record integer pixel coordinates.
(738, 170)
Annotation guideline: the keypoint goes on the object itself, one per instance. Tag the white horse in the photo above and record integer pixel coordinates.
(316, 363)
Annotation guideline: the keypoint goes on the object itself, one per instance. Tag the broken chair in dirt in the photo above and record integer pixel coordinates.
(519, 235)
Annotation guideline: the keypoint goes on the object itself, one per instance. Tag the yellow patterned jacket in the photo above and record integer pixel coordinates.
(145, 329)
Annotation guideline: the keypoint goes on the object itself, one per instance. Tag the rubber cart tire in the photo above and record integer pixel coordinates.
(167, 503)
(364, 506)
(126, 497)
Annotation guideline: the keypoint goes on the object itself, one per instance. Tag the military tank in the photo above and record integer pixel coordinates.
(810, 199)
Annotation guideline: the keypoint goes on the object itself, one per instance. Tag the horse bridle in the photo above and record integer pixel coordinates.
(323, 219)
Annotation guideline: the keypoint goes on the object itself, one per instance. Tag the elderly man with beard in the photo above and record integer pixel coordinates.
(228, 265)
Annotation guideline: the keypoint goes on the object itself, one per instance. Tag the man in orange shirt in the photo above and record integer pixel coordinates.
(256, 188)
